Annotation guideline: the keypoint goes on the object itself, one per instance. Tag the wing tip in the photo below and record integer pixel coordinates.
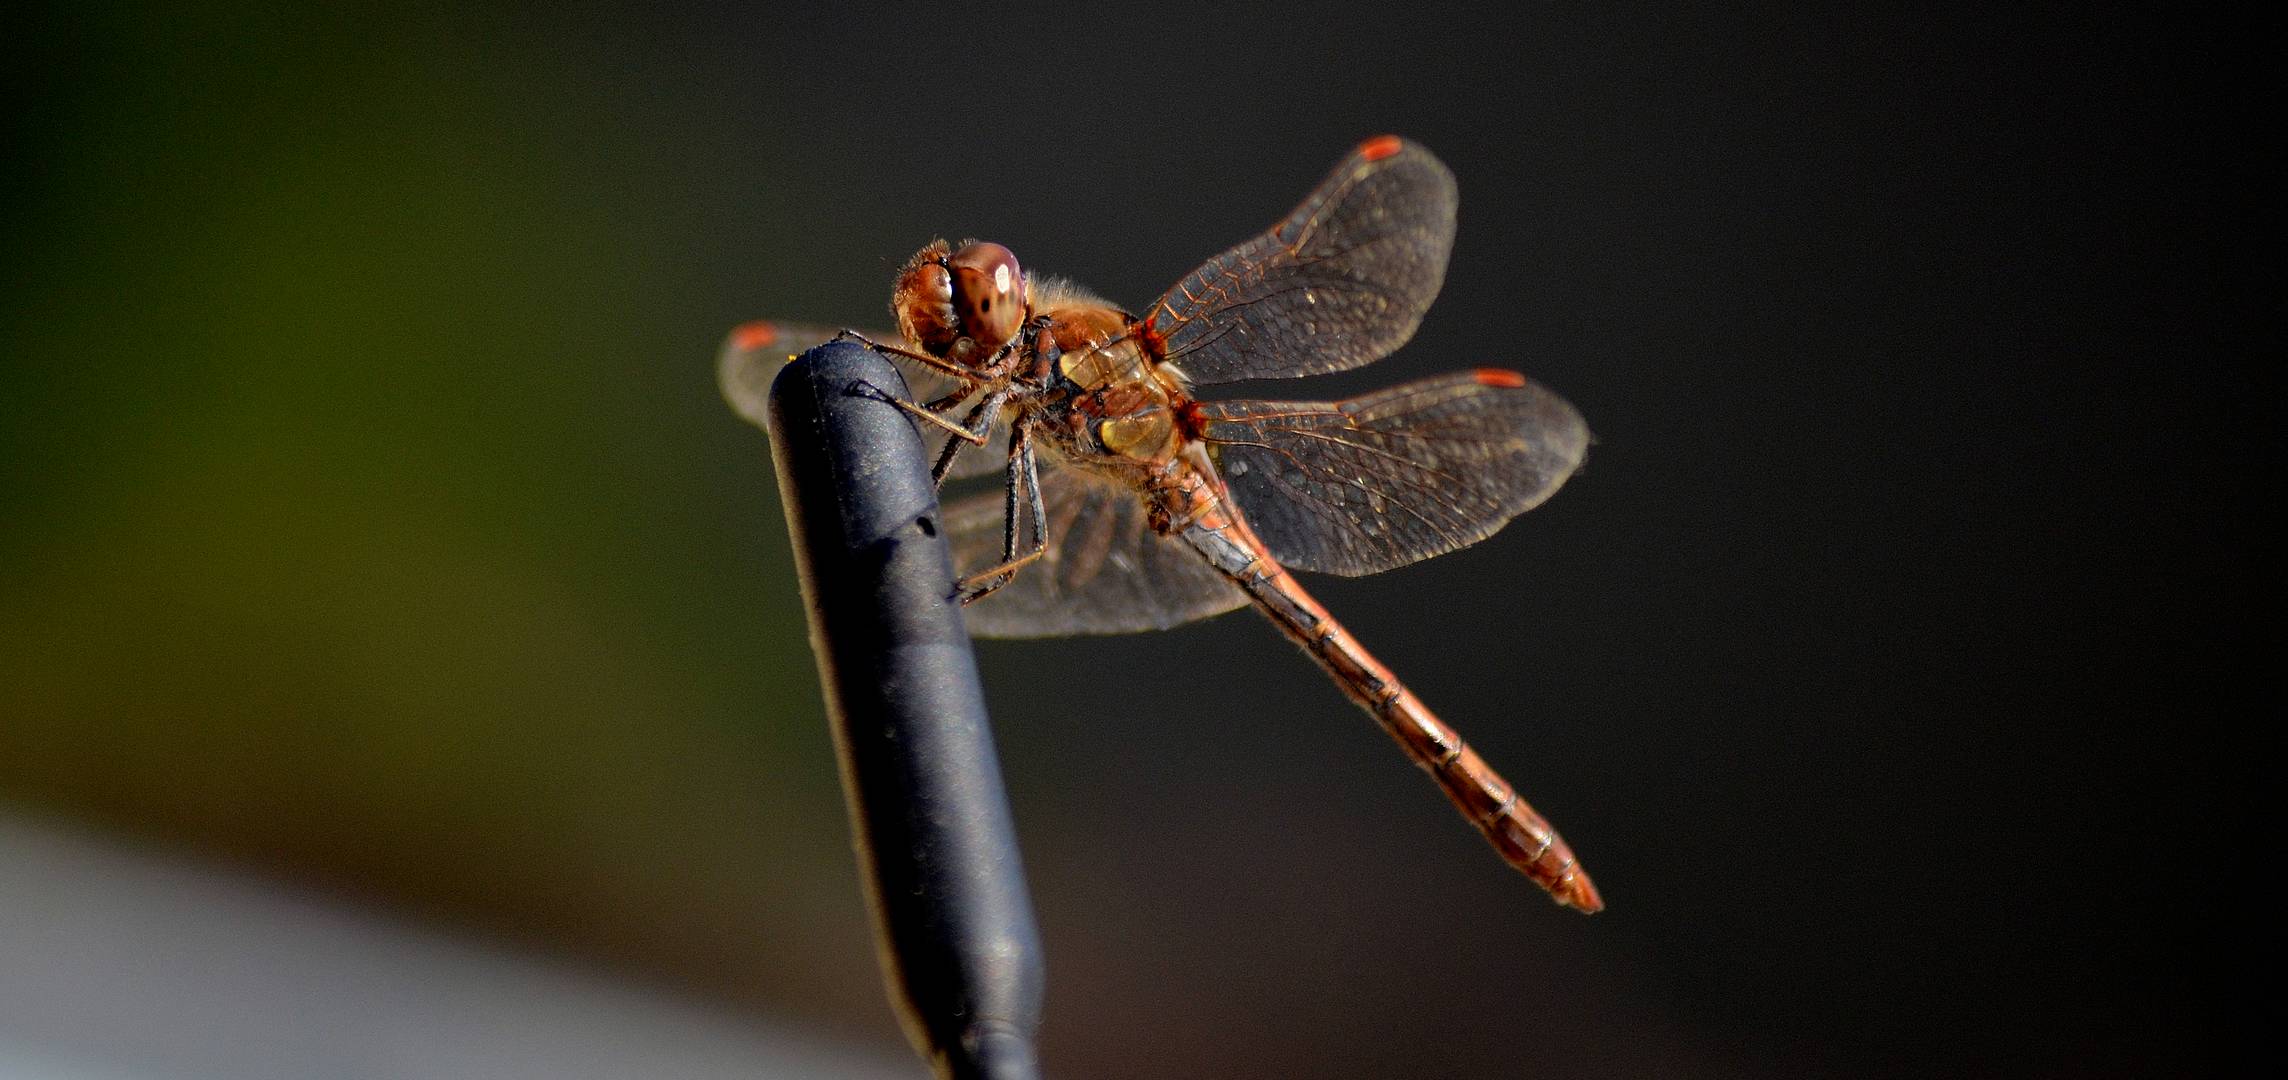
(749, 336)
(1500, 378)
(744, 374)
(1380, 147)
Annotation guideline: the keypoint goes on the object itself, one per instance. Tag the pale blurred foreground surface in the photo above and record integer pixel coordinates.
(119, 964)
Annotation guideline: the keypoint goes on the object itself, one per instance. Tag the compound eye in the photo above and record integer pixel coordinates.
(988, 294)
(924, 302)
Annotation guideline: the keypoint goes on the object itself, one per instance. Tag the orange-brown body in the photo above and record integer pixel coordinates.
(1348, 487)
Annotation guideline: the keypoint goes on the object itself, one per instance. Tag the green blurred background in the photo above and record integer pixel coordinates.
(371, 521)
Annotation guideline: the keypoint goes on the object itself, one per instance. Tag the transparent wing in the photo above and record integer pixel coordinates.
(1341, 282)
(754, 352)
(1105, 572)
(1397, 476)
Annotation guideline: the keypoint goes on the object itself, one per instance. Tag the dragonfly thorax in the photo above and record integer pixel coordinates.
(1103, 399)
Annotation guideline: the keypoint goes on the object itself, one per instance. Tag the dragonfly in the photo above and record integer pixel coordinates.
(1127, 504)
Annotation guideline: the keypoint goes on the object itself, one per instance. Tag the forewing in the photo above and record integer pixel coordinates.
(1397, 476)
(1105, 572)
(1340, 282)
(754, 352)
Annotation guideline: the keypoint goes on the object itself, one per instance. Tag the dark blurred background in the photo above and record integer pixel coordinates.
(370, 523)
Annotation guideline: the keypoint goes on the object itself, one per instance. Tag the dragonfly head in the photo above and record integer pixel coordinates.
(963, 304)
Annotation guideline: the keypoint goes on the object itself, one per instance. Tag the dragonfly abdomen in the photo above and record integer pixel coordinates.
(1523, 837)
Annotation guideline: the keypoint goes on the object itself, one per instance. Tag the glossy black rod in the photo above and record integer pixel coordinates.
(959, 946)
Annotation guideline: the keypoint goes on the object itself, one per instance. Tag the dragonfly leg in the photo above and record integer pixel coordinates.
(1024, 477)
(937, 364)
(959, 431)
(997, 366)
(933, 412)
(970, 432)
(946, 403)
